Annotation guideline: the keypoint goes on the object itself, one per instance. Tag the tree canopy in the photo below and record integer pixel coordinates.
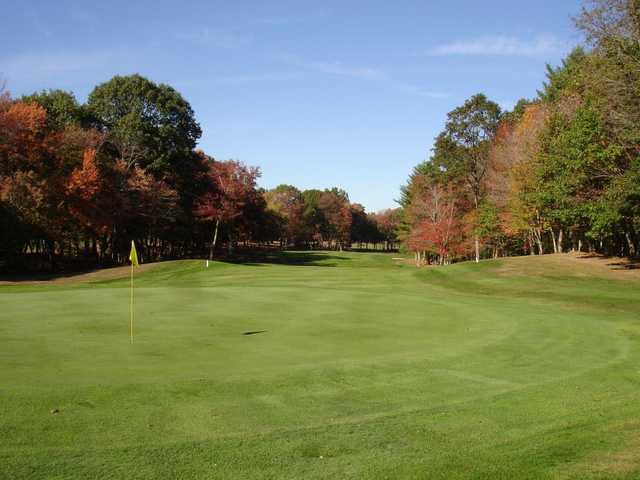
(79, 181)
(558, 172)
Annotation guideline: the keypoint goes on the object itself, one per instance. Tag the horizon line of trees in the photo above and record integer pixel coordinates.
(560, 172)
(78, 182)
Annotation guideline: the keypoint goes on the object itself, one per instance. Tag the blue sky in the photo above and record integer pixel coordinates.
(317, 94)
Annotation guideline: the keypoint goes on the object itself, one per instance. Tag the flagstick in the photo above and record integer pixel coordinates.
(131, 307)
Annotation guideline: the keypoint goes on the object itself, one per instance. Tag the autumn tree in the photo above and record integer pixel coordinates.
(364, 228)
(464, 147)
(510, 183)
(387, 224)
(286, 203)
(336, 213)
(434, 219)
(62, 109)
(232, 186)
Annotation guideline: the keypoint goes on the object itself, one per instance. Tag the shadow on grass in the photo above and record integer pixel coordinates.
(304, 259)
(616, 263)
(625, 265)
(254, 258)
(41, 277)
(76, 275)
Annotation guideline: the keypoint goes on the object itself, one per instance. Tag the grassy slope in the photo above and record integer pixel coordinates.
(365, 369)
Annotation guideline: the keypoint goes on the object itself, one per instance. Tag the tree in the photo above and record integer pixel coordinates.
(363, 226)
(488, 227)
(312, 216)
(22, 134)
(565, 77)
(150, 125)
(463, 149)
(607, 22)
(510, 182)
(285, 201)
(429, 168)
(435, 223)
(83, 189)
(611, 73)
(35, 174)
(387, 224)
(232, 187)
(62, 108)
(336, 213)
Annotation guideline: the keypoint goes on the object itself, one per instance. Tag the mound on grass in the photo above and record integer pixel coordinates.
(363, 367)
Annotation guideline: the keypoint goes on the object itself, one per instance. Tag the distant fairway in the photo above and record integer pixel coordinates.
(325, 365)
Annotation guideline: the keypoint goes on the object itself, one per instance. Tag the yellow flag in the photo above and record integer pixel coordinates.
(133, 255)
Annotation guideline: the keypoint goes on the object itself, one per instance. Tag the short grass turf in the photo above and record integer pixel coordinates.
(324, 365)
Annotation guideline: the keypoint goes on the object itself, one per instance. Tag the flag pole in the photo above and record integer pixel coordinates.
(131, 307)
(133, 258)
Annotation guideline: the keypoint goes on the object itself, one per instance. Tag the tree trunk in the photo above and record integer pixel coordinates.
(560, 235)
(538, 236)
(477, 245)
(215, 239)
(632, 247)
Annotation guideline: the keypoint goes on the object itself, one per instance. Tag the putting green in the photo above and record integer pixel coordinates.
(325, 365)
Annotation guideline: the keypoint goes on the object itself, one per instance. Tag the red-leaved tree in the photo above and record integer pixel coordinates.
(435, 224)
(232, 186)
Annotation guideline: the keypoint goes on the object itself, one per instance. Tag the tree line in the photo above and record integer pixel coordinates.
(559, 172)
(79, 181)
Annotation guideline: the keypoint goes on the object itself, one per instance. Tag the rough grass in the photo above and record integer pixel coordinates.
(325, 365)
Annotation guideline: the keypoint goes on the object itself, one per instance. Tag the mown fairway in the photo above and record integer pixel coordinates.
(363, 368)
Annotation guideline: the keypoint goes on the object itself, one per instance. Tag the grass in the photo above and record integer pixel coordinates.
(324, 365)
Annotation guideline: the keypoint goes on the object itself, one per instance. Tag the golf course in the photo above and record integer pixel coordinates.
(325, 365)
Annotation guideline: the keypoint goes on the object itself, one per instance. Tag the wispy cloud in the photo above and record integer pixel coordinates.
(216, 37)
(500, 46)
(38, 66)
(339, 68)
(381, 77)
(421, 92)
(289, 19)
(258, 77)
(332, 67)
